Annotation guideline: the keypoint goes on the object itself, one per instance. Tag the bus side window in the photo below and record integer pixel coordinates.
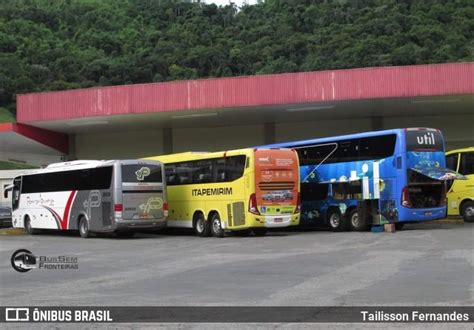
(170, 173)
(466, 166)
(184, 173)
(234, 167)
(452, 162)
(219, 170)
(314, 191)
(339, 191)
(202, 171)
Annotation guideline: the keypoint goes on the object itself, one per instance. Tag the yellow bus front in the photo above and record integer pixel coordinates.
(461, 192)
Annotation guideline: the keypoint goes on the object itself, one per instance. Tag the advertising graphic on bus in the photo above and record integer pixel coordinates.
(354, 181)
(239, 190)
(461, 192)
(118, 196)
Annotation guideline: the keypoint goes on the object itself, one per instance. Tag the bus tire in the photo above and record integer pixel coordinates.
(124, 233)
(216, 226)
(355, 223)
(259, 231)
(201, 226)
(468, 211)
(84, 231)
(335, 220)
(29, 229)
(399, 225)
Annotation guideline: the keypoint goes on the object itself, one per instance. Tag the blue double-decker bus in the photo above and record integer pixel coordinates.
(355, 181)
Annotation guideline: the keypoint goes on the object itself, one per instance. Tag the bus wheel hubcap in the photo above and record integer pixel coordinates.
(200, 225)
(217, 225)
(355, 220)
(470, 211)
(334, 220)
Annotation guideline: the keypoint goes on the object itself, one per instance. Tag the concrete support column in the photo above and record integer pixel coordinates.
(269, 133)
(72, 148)
(167, 141)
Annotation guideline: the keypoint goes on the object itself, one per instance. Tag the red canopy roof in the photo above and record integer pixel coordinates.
(277, 89)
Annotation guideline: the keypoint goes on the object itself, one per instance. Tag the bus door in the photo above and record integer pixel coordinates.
(390, 186)
(15, 189)
(143, 194)
(16, 193)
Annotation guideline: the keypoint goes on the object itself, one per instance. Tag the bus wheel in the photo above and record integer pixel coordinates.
(399, 225)
(201, 226)
(216, 226)
(355, 222)
(84, 228)
(28, 227)
(468, 211)
(259, 231)
(335, 220)
(124, 233)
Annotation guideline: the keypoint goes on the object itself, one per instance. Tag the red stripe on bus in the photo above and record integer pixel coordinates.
(67, 213)
(55, 216)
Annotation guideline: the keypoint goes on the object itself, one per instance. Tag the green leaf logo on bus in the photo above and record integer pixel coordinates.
(142, 173)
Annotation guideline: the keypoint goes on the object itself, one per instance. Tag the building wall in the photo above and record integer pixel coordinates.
(458, 132)
(133, 144)
(217, 138)
(113, 145)
(316, 129)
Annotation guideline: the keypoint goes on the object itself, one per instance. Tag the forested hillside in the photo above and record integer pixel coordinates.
(63, 44)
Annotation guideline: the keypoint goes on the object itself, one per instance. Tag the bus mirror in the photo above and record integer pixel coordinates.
(6, 190)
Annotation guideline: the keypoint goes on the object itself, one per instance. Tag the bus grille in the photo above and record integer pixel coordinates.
(283, 185)
(236, 214)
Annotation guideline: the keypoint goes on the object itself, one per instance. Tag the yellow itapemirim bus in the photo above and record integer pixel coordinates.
(461, 192)
(240, 190)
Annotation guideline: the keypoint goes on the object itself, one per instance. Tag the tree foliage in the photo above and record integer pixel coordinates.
(64, 44)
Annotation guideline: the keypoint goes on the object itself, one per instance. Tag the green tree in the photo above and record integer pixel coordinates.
(63, 44)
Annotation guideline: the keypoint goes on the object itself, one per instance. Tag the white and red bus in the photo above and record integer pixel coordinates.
(119, 196)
